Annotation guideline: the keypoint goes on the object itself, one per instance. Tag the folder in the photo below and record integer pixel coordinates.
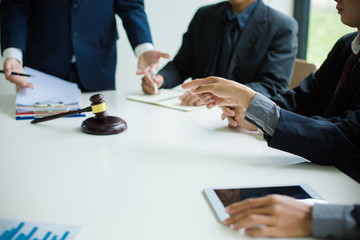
(51, 95)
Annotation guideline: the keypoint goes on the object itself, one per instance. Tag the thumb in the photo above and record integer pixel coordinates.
(141, 71)
(165, 55)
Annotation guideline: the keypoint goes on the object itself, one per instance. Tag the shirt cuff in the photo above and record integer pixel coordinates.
(264, 113)
(13, 53)
(334, 221)
(143, 48)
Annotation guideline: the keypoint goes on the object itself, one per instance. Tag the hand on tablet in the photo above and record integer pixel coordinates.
(271, 216)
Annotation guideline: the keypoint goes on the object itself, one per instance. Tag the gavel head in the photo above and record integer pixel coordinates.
(102, 124)
(98, 106)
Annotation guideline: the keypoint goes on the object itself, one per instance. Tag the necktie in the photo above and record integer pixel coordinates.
(230, 35)
(349, 65)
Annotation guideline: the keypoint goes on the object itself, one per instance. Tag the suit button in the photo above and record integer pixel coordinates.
(75, 5)
(76, 34)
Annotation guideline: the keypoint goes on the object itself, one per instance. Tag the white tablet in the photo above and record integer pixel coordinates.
(220, 198)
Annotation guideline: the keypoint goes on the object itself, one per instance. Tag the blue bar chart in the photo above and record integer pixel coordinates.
(21, 230)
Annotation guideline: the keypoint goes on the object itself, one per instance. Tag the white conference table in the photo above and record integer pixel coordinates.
(145, 183)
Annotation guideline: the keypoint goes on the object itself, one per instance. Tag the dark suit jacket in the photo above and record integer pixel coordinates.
(263, 58)
(49, 32)
(306, 129)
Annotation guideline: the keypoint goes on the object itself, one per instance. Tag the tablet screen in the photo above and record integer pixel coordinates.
(229, 196)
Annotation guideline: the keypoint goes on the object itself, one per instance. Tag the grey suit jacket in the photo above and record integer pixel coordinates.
(263, 57)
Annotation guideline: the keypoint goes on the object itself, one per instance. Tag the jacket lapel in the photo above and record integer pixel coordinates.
(250, 34)
(215, 22)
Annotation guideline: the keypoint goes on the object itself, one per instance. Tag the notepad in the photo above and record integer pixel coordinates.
(51, 95)
(167, 98)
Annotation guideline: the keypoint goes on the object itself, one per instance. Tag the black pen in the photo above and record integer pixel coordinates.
(18, 74)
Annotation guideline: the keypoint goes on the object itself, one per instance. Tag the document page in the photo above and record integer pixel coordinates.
(167, 98)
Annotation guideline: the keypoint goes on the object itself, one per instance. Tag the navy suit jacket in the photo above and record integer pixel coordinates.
(306, 129)
(263, 57)
(49, 32)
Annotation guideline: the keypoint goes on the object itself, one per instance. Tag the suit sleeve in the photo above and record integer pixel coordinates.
(276, 69)
(335, 221)
(14, 23)
(178, 70)
(133, 16)
(323, 141)
(356, 214)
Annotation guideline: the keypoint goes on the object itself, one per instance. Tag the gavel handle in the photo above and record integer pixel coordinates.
(60, 115)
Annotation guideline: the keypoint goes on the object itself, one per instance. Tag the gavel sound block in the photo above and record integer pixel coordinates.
(100, 124)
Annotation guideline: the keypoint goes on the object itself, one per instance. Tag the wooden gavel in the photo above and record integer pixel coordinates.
(101, 124)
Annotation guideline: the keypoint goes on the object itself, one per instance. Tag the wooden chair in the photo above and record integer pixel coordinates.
(302, 69)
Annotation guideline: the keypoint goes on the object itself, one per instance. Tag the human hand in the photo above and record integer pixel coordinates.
(13, 65)
(236, 118)
(271, 216)
(148, 82)
(149, 61)
(190, 99)
(216, 91)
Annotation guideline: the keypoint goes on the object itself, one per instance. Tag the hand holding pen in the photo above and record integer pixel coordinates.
(151, 83)
(14, 72)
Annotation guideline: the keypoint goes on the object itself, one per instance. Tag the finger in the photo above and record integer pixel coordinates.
(268, 211)
(249, 203)
(210, 105)
(7, 70)
(252, 220)
(187, 99)
(143, 70)
(232, 123)
(148, 79)
(191, 100)
(29, 85)
(197, 82)
(184, 95)
(228, 112)
(147, 89)
(206, 98)
(198, 102)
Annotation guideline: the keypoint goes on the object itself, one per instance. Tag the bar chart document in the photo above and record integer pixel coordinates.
(23, 230)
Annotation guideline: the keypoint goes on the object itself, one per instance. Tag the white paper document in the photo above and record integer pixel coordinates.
(167, 98)
(47, 90)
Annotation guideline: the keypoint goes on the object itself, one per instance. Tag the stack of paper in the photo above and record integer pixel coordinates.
(51, 95)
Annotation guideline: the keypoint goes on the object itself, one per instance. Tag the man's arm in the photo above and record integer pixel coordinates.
(133, 16)
(13, 38)
(327, 141)
(14, 26)
(335, 221)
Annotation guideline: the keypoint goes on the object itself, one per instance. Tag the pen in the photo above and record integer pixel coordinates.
(18, 74)
(155, 85)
